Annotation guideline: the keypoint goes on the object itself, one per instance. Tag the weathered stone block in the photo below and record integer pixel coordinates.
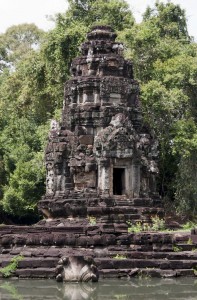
(52, 252)
(86, 139)
(36, 273)
(6, 240)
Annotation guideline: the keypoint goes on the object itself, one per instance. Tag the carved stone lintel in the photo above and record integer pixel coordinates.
(76, 269)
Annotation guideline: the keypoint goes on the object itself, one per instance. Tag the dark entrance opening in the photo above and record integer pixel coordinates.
(119, 181)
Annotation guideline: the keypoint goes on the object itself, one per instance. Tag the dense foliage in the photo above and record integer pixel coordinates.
(34, 66)
(166, 64)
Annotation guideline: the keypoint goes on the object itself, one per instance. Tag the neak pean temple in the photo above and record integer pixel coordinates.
(101, 162)
(101, 159)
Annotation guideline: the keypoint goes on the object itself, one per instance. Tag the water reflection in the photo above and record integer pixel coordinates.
(135, 289)
(81, 291)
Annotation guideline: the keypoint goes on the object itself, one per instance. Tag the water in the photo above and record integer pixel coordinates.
(135, 289)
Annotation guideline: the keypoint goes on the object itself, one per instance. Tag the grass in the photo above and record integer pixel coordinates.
(11, 267)
(189, 225)
(158, 224)
(176, 249)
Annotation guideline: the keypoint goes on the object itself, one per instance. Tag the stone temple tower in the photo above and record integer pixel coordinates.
(101, 158)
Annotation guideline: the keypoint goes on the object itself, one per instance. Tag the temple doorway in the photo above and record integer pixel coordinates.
(118, 181)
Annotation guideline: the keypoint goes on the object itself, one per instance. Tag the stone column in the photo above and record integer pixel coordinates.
(104, 176)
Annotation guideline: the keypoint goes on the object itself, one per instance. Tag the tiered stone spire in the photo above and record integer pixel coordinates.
(100, 155)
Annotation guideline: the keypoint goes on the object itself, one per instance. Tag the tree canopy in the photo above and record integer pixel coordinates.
(165, 59)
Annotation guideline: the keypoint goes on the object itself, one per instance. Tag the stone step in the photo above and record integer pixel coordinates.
(152, 255)
(93, 235)
(108, 267)
(124, 263)
(119, 218)
(117, 262)
(89, 198)
(32, 262)
(56, 252)
(145, 273)
(112, 210)
(41, 273)
(123, 209)
(49, 273)
(184, 247)
(44, 252)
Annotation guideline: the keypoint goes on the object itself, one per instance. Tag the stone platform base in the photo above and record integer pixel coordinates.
(116, 252)
(114, 209)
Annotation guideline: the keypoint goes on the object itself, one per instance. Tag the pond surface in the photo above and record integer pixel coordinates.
(135, 289)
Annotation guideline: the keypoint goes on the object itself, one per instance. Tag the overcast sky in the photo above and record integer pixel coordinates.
(13, 12)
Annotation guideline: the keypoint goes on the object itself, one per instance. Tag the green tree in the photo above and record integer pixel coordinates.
(169, 18)
(21, 143)
(35, 65)
(115, 13)
(18, 41)
(31, 92)
(165, 63)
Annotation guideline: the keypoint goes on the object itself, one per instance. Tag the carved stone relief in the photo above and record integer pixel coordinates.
(76, 269)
